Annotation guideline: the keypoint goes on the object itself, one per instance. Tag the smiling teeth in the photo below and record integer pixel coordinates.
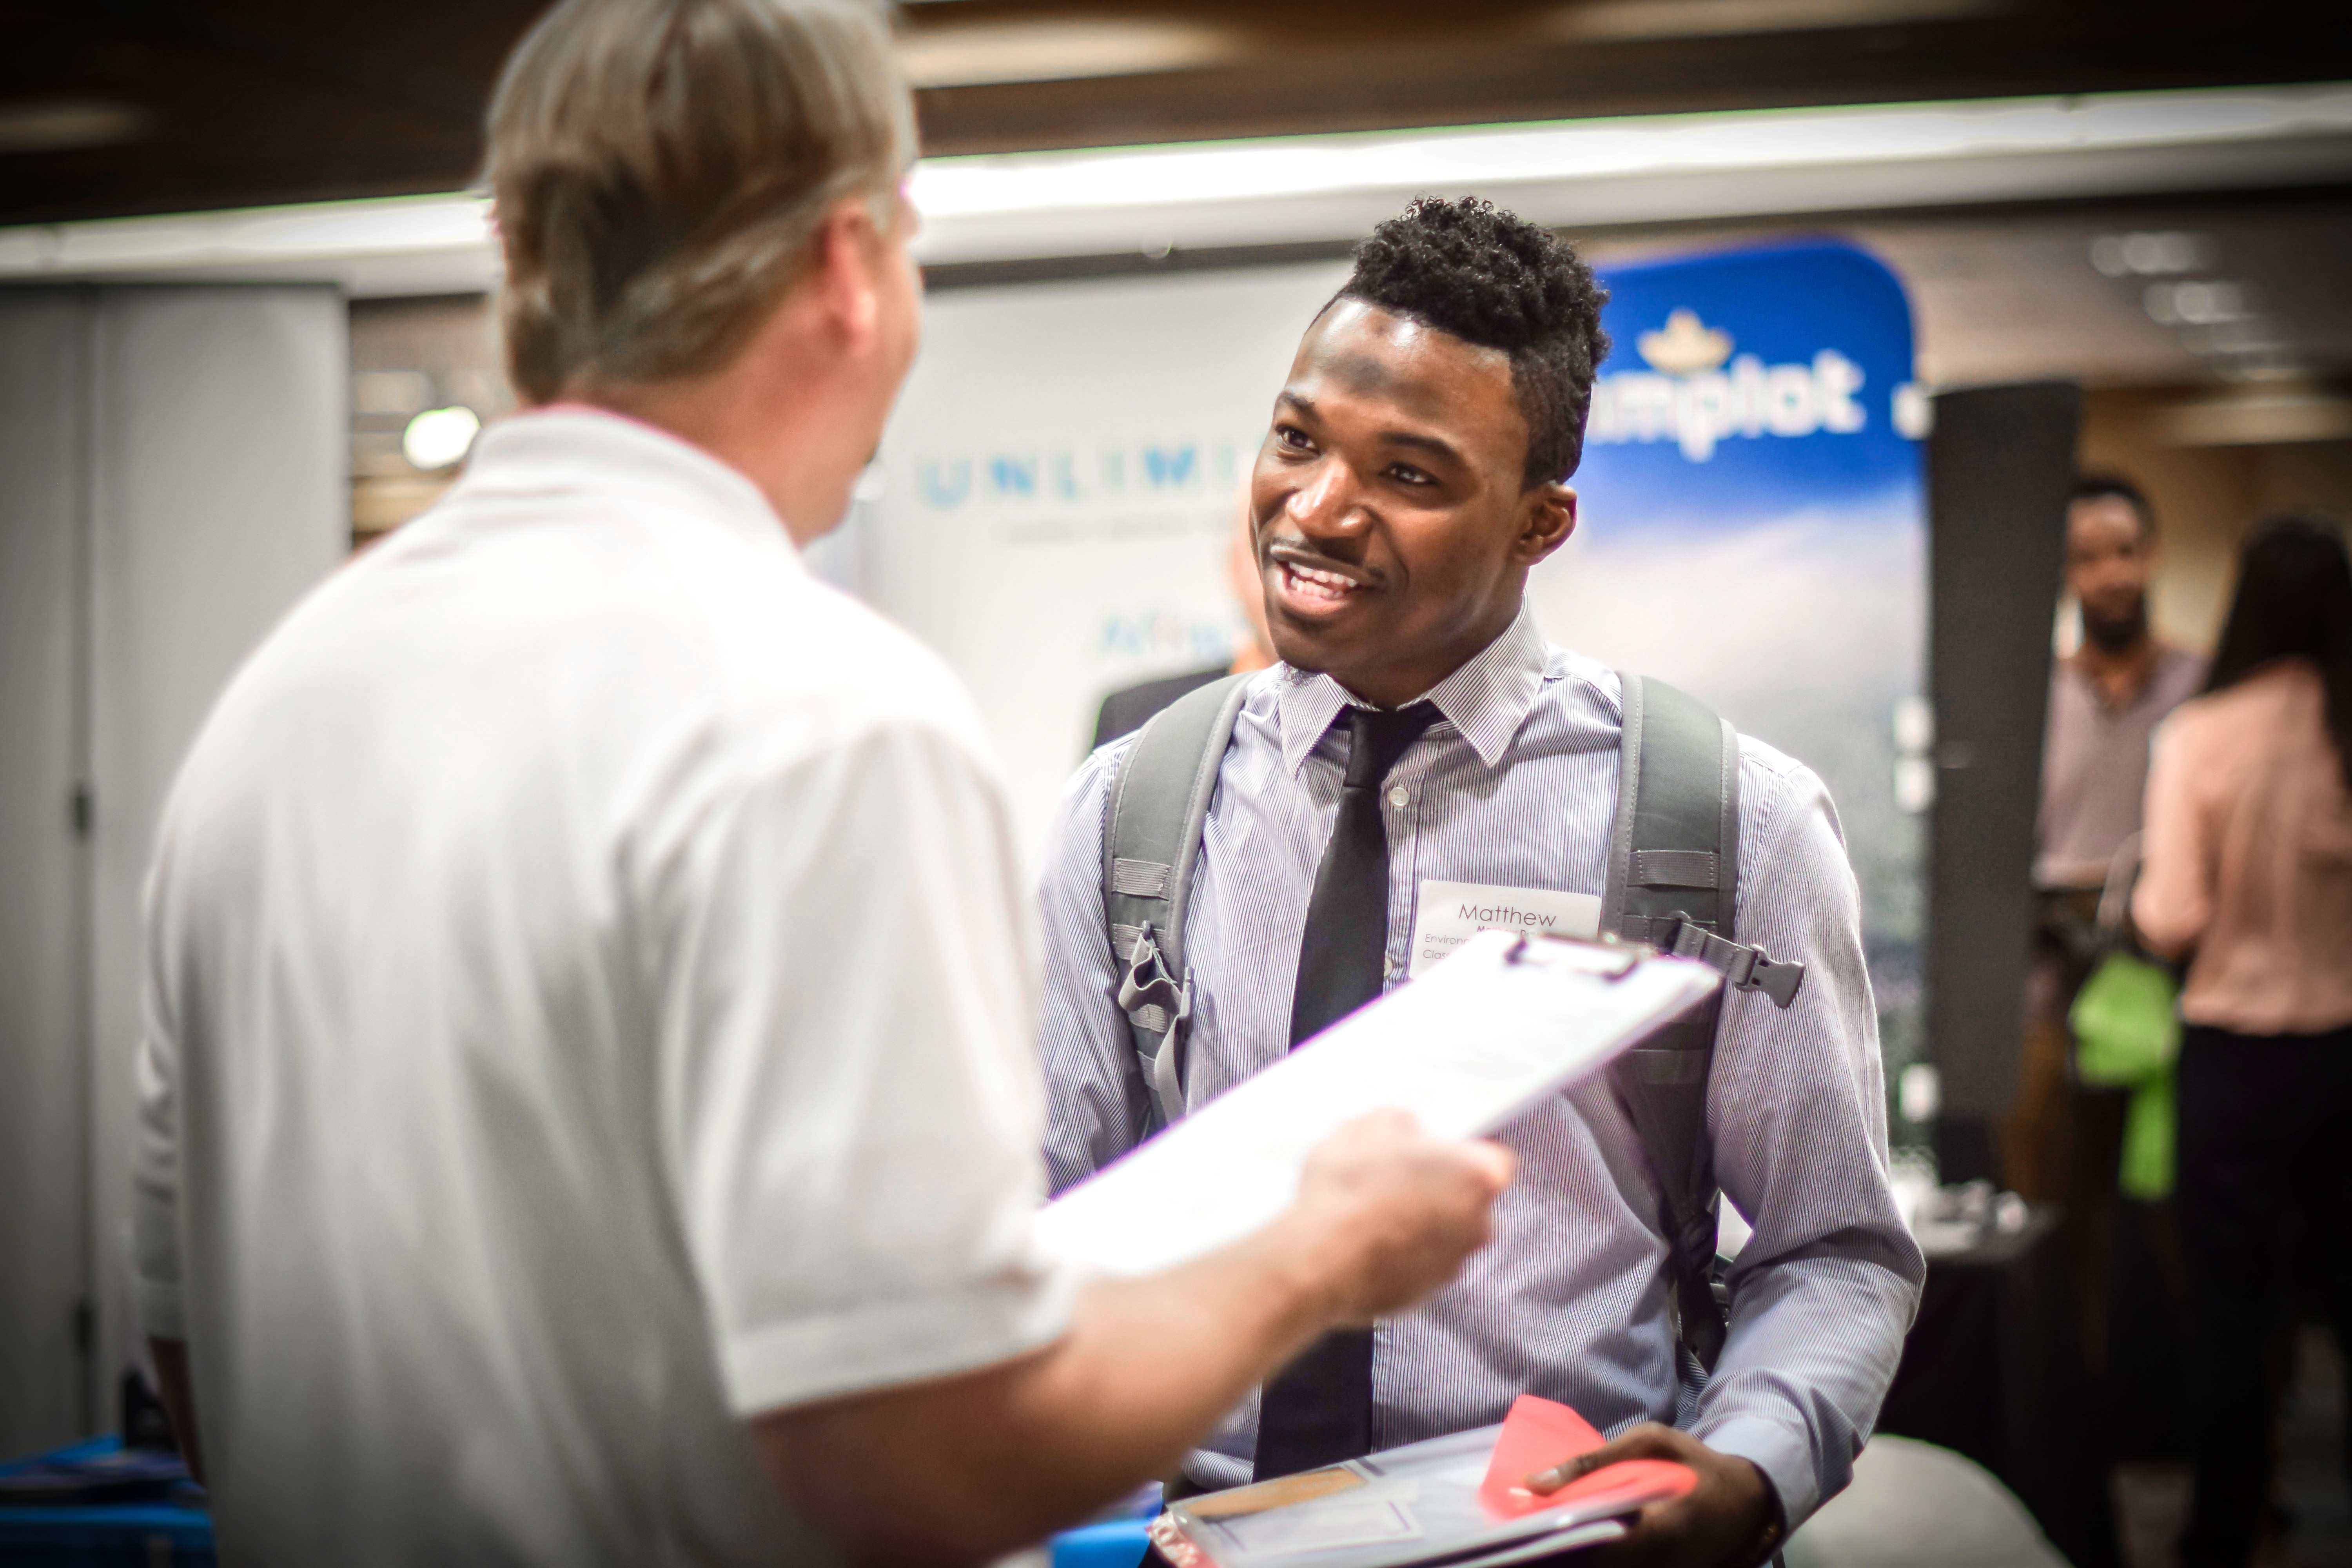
(1319, 585)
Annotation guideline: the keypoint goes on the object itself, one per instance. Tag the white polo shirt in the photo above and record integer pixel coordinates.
(589, 1005)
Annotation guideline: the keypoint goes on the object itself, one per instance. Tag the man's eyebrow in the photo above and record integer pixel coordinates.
(1443, 448)
(1411, 439)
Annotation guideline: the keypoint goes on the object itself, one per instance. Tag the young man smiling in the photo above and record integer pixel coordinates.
(1420, 730)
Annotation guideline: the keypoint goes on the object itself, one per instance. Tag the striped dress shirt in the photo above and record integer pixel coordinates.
(1516, 787)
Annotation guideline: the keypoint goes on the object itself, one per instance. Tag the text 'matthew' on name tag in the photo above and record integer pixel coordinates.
(1448, 914)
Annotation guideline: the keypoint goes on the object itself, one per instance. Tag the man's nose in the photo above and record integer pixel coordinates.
(1325, 503)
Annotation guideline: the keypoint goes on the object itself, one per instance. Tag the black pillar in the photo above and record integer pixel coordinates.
(2000, 464)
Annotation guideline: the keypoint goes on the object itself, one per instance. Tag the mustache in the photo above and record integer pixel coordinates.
(1291, 550)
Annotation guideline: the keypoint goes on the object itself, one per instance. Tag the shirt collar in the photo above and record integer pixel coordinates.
(1487, 698)
(573, 448)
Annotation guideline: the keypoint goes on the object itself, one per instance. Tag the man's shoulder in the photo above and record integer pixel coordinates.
(1572, 677)
(842, 670)
(1766, 768)
(733, 650)
(742, 618)
(2178, 674)
(1775, 789)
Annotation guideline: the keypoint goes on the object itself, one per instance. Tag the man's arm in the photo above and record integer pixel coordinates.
(1824, 1291)
(964, 1468)
(852, 1117)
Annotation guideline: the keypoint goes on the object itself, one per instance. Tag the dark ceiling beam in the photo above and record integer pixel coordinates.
(293, 54)
(1465, 79)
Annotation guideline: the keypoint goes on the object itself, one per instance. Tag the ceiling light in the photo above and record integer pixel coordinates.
(1629, 19)
(995, 185)
(63, 125)
(440, 438)
(983, 52)
(2196, 304)
(2150, 254)
(2257, 419)
(2250, 336)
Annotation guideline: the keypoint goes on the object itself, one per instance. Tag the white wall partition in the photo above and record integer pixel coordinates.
(183, 480)
(1059, 476)
(43, 1081)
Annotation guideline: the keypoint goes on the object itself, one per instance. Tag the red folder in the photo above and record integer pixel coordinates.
(1540, 1433)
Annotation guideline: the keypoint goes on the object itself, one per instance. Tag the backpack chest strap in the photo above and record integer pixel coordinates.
(1743, 968)
(1153, 817)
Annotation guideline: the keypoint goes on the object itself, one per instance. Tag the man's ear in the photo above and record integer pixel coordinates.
(1546, 519)
(847, 247)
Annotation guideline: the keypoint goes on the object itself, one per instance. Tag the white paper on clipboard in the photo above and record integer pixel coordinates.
(1500, 1022)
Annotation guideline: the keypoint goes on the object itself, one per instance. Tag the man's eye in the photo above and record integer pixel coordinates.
(1410, 474)
(1292, 437)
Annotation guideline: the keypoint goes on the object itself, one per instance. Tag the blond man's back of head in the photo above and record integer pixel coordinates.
(658, 167)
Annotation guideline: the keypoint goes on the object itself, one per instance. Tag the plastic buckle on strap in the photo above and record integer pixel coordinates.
(1744, 967)
(1157, 988)
(1778, 981)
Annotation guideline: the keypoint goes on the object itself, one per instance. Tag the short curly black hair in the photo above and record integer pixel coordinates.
(1491, 277)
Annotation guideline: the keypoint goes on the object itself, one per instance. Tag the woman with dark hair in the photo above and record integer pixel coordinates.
(2249, 877)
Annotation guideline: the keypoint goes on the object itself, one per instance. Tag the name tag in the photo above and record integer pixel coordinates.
(1450, 914)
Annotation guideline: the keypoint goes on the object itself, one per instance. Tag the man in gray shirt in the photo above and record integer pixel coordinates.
(2106, 700)
(2107, 697)
(1413, 473)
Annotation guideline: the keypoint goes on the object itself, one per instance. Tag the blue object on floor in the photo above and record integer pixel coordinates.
(116, 1535)
(1118, 1544)
(147, 1535)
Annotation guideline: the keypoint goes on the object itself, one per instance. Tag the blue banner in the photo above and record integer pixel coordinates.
(1753, 530)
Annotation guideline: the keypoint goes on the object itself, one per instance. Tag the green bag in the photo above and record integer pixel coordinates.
(2127, 1035)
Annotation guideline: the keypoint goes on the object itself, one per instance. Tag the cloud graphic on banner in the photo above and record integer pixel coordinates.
(1685, 347)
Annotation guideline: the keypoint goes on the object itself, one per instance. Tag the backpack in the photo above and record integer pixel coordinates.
(1672, 884)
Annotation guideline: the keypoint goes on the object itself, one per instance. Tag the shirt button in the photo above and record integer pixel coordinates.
(1389, 968)
(1400, 795)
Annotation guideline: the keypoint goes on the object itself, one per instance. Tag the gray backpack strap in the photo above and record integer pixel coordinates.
(1152, 841)
(1674, 871)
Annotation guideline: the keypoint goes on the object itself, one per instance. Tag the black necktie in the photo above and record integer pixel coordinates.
(1318, 1410)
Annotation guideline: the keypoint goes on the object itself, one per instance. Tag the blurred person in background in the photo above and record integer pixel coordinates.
(1130, 708)
(2107, 697)
(589, 1105)
(2106, 700)
(2248, 879)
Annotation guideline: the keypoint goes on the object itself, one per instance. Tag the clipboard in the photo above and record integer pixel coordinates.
(1500, 1022)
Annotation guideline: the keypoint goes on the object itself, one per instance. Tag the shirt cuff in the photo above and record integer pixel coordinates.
(879, 1345)
(1784, 1456)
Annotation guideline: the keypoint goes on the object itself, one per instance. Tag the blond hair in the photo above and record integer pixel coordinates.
(657, 169)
